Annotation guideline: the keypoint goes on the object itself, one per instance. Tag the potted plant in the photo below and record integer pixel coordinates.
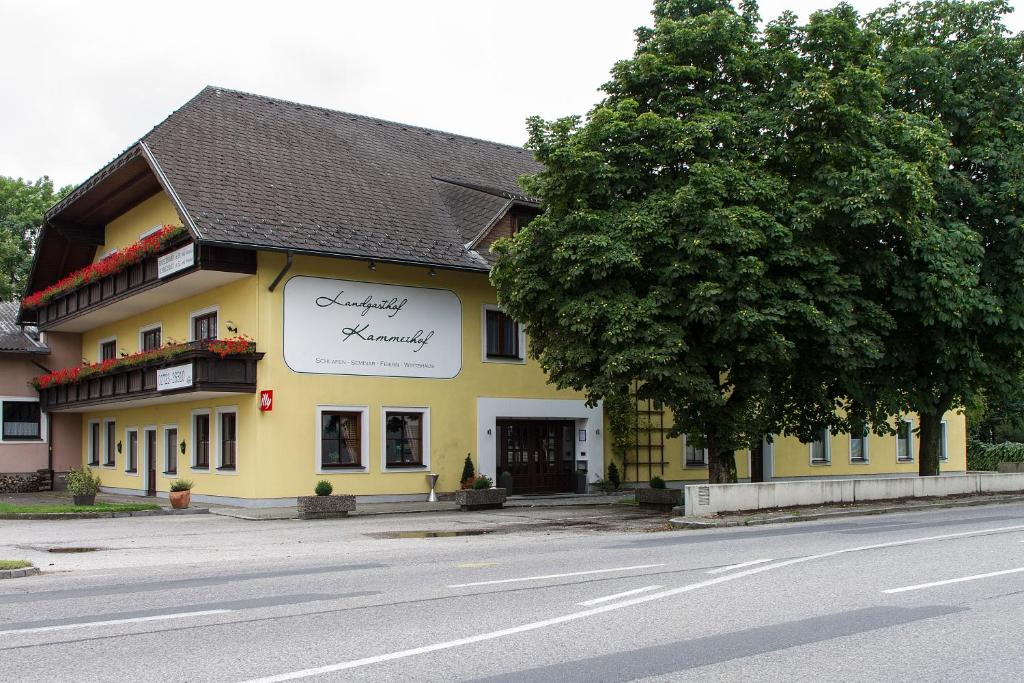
(181, 493)
(83, 485)
(324, 505)
(657, 495)
(480, 495)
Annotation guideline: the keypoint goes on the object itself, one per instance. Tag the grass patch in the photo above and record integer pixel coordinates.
(626, 501)
(11, 509)
(14, 564)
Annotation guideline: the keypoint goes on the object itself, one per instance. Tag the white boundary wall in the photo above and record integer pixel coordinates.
(709, 499)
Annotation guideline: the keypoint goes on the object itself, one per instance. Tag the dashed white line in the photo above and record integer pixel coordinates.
(555, 576)
(973, 577)
(741, 565)
(609, 598)
(112, 622)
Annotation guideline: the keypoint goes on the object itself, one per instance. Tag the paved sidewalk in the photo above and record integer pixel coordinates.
(810, 513)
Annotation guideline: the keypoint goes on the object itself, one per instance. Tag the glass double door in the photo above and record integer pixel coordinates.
(539, 454)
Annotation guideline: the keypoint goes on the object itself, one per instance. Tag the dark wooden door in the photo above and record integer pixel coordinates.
(539, 454)
(757, 463)
(150, 462)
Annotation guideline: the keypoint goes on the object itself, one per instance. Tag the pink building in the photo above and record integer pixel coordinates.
(35, 448)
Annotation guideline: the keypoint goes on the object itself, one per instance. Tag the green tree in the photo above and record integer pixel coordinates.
(22, 204)
(691, 233)
(956, 291)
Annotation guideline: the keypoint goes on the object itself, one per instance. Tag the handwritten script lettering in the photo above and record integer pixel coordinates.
(393, 304)
(419, 338)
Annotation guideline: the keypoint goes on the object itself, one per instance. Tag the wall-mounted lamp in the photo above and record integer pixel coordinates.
(181, 447)
(597, 431)
(488, 431)
(232, 327)
(433, 273)
(373, 265)
(118, 446)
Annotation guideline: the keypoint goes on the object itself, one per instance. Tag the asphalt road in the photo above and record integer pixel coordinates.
(922, 596)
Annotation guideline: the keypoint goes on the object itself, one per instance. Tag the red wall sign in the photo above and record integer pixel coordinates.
(266, 400)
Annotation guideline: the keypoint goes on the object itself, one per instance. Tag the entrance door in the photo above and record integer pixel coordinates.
(757, 462)
(539, 454)
(150, 462)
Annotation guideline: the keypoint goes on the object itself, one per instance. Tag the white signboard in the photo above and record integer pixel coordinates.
(175, 377)
(176, 260)
(347, 327)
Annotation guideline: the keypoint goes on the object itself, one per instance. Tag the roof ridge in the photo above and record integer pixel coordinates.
(364, 117)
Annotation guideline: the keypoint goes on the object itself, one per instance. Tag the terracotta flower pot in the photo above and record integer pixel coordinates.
(180, 499)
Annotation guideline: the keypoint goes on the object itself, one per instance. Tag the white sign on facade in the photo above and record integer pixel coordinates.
(347, 327)
(176, 260)
(175, 377)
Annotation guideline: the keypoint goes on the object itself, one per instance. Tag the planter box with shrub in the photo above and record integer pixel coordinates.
(324, 505)
(480, 496)
(658, 496)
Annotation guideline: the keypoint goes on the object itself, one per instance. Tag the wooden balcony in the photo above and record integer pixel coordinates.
(140, 288)
(158, 381)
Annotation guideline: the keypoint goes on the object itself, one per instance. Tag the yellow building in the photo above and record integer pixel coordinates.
(269, 294)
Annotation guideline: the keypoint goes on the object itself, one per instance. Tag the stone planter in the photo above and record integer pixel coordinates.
(659, 498)
(480, 499)
(325, 507)
(180, 499)
(84, 499)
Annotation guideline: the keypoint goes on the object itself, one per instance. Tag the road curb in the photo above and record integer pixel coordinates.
(18, 573)
(102, 515)
(696, 523)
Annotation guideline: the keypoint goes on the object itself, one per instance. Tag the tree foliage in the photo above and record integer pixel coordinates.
(22, 204)
(756, 227)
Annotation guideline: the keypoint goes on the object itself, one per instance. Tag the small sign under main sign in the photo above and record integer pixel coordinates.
(176, 377)
(176, 260)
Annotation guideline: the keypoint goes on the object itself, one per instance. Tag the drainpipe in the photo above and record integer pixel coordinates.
(49, 430)
(287, 267)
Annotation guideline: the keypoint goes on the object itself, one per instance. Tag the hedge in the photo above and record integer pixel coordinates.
(987, 456)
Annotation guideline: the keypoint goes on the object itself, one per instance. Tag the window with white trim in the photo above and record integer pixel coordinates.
(201, 440)
(905, 441)
(695, 456)
(943, 441)
(109, 442)
(406, 438)
(170, 449)
(821, 452)
(150, 338)
(131, 458)
(503, 336)
(22, 420)
(227, 439)
(108, 349)
(94, 442)
(859, 447)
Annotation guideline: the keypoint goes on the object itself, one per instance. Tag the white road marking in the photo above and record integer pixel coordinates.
(402, 654)
(111, 622)
(554, 576)
(974, 577)
(609, 598)
(722, 570)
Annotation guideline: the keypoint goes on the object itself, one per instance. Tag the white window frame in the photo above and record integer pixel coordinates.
(215, 431)
(364, 439)
(867, 451)
(143, 449)
(149, 328)
(43, 421)
(686, 462)
(99, 347)
(827, 451)
(910, 441)
(152, 231)
(112, 447)
(127, 450)
(195, 314)
(98, 444)
(521, 360)
(425, 465)
(163, 433)
(192, 440)
(944, 441)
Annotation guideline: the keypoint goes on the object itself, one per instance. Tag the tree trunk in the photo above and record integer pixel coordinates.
(929, 436)
(721, 466)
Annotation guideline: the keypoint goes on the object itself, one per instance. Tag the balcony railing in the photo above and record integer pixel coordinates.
(190, 374)
(142, 277)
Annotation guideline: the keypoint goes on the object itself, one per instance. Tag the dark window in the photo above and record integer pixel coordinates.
(108, 350)
(204, 326)
(904, 442)
(403, 439)
(132, 460)
(151, 339)
(109, 445)
(819, 449)
(228, 441)
(943, 447)
(695, 455)
(502, 335)
(201, 434)
(340, 435)
(520, 221)
(94, 443)
(859, 447)
(171, 450)
(21, 421)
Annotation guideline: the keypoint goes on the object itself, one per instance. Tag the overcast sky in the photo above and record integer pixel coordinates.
(81, 80)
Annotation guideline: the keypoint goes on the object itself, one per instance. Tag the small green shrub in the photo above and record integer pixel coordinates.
(482, 482)
(467, 471)
(82, 482)
(324, 488)
(182, 485)
(657, 482)
(613, 477)
(987, 456)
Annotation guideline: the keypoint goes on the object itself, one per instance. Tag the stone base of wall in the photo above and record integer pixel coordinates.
(25, 482)
(325, 507)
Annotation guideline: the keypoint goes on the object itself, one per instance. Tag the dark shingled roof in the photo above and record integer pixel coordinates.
(12, 338)
(264, 173)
